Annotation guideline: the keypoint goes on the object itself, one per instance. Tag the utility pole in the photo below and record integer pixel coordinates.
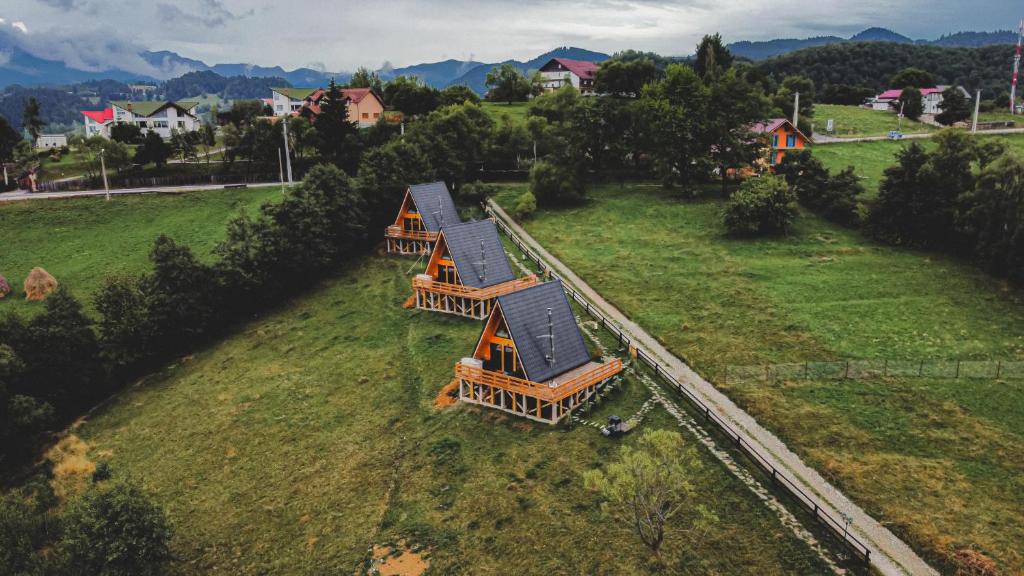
(287, 155)
(1016, 69)
(977, 107)
(103, 170)
(796, 108)
(280, 168)
(6, 182)
(899, 125)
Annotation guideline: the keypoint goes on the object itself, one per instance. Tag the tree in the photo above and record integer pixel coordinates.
(116, 530)
(712, 56)
(913, 78)
(181, 298)
(672, 111)
(994, 217)
(556, 185)
(846, 95)
(458, 94)
(411, 96)
(9, 139)
(955, 107)
(901, 194)
(507, 84)
(153, 150)
(761, 206)
(126, 133)
(733, 105)
(207, 137)
(454, 140)
(526, 205)
(302, 136)
(385, 173)
(184, 144)
(649, 487)
(839, 202)
(785, 98)
(338, 134)
(31, 118)
(124, 327)
(911, 103)
(364, 78)
(624, 78)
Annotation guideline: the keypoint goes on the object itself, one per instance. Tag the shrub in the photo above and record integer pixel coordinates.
(839, 202)
(525, 206)
(763, 205)
(124, 319)
(475, 192)
(101, 473)
(22, 534)
(116, 530)
(555, 185)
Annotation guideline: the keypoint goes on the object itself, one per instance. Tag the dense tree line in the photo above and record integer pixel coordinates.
(872, 65)
(195, 84)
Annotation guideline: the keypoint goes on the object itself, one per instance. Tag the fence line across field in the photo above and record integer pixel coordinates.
(877, 368)
(838, 528)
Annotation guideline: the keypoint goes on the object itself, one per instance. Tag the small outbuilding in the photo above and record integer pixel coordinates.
(425, 209)
(779, 136)
(468, 269)
(531, 359)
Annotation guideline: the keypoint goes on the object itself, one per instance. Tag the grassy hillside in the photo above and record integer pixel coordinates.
(310, 436)
(870, 159)
(82, 241)
(516, 111)
(935, 459)
(854, 121)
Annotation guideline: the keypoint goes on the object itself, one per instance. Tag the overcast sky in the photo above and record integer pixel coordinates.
(340, 35)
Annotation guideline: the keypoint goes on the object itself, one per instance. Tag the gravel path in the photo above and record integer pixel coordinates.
(890, 555)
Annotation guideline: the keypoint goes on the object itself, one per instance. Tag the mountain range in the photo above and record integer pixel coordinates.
(769, 48)
(19, 66)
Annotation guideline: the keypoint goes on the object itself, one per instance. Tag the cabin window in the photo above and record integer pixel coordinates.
(771, 159)
(775, 140)
(413, 225)
(791, 141)
(447, 274)
(503, 359)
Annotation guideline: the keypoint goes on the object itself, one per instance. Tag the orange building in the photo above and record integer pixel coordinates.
(779, 136)
(531, 359)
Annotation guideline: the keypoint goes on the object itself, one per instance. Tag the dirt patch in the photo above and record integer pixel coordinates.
(448, 396)
(72, 467)
(398, 560)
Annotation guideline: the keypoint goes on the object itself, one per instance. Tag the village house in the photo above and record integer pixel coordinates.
(930, 97)
(161, 117)
(779, 136)
(425, 209)
(51, 141)
(531, 359)
(467, 270)
(579, 74)
(365, 107)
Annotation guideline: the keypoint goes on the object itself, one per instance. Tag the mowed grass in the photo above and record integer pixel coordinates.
(515, 111)
(309, 436)
(854, 121)
(82, 241)
(870, 159)
(937, 460)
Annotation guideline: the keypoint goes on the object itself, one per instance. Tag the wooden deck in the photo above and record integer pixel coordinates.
(462, 300)
(401, 241)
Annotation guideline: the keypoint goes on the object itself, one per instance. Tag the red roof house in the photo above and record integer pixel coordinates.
(561, 71)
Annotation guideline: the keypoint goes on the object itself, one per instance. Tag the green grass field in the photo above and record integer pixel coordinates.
(854, 121)
(937, 460)
(870, 159)
(309, 436)
(82, 241)
(516, 111)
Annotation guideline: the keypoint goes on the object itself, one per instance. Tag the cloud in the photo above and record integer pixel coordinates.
(20, 26)
(211, 14)
(62, 4)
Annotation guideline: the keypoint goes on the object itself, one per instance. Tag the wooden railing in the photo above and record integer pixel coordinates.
(542, 391)
(395, 231)
(474, 293)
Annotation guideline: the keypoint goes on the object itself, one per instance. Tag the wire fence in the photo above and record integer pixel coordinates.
(840, 529)
(155, 181)
(873, 369)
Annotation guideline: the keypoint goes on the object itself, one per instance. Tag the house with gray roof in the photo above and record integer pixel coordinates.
(425, 209)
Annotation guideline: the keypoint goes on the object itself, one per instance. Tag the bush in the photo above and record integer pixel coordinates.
(525, 206)
(116, 531)
(475, 193)
(22, 533)
(556, 185)
(763, 205)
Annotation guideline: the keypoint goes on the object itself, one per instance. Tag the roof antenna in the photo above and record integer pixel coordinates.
(483, 262)
(550, 357)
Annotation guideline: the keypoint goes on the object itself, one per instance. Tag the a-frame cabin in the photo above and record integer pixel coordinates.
(467, 270)
(531, 359)
(425, 209)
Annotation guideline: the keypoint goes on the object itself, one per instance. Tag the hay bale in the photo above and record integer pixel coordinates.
(39, 284)
(5, 287)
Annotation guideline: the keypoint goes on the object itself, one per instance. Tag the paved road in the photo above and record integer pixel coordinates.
(890, 555)
(22, 195)
(823, 139)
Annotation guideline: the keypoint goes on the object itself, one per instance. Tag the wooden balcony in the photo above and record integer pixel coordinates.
(461, 300)
(544, 402)
(402, 241)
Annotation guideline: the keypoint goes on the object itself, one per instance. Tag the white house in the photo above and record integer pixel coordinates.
(290, 100)
(561, 71)
(97, 122)
(51, 141)
(158, 116)
(930, 97)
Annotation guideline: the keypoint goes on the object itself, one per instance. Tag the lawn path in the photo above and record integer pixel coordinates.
(890, 555)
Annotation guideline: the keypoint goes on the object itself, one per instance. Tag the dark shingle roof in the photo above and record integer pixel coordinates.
(464, 244)
(429, 198)
(526, 313)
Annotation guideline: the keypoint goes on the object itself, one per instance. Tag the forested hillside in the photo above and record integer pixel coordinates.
(871, 64)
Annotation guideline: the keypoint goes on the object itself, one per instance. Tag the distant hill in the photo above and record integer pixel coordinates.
(476, 78)
(760, 50)
(436, 74)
